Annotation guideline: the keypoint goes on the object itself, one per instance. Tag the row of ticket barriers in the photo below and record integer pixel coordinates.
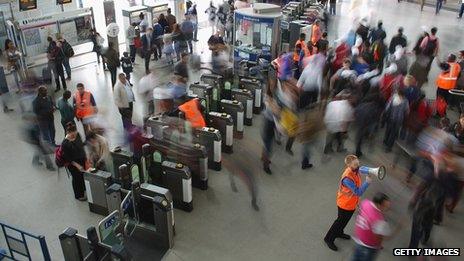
(138, 196)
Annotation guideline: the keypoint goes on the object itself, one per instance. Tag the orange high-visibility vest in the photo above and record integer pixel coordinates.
(193, 113)
(447, 80)
(84, 107)
(346, 199)
(296, 56)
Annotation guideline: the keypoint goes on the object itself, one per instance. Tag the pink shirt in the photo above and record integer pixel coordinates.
(370, 225)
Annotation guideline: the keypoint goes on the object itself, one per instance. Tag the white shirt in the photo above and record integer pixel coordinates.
(130, 94)
(311, 77)
(337, 116)
(146, 85)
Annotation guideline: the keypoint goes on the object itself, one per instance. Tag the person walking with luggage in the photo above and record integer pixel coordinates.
(68, 52)
(44, 108)
(370, 227)
(66, 109)
(73, 154)
(85, 107)
(58, 58)
(349, 192)
(124, 100)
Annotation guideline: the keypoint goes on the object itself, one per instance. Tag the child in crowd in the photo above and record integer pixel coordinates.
(127, 66)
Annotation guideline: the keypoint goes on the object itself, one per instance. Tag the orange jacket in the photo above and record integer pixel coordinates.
(447, 80)
(192, 112)
(296, 56)
(84, 107)
(346, 199)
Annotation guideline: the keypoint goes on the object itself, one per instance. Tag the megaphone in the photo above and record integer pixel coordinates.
(380, 172)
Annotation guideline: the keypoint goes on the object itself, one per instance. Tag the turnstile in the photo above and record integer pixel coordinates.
(217, 82)
(212, 140)
(120, 157)
(204, 92)
(76, 247)
(246, 98)
(96, 184)
(236, 110)
(255, 86)
(225, 124)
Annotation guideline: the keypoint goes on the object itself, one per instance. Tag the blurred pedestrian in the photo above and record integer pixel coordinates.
(148, 44)
(158, 33)
(211, 11)
(180, 41)
(127, 66)
(338, 115)
(395, 113)
(97, 41)
(349, 192)
(131, 35)
(68, 52)
(371, 227)
(99, 153)
(145, 90)
(171, 19)
(398, 39)
(429, 46)
(187, 28)
(13, 61)
(112, 61)
(44, 107)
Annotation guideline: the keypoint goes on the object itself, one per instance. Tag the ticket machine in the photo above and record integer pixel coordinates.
(155, 9)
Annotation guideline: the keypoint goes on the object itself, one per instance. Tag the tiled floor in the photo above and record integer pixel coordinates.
(296, 207)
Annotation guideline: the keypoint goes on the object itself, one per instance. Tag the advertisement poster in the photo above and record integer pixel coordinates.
(110, 17)
(69, 31)
(62, 2)
(26, 5)
(83, 27)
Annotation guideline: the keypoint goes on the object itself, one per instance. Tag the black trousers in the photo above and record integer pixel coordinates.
(308, 97)
(60, 75)
(113, 71)
(418, 232)
(133, 51)
(77, 182)
(126, 116)
(147, 57)
(329, 139)
(339, 224)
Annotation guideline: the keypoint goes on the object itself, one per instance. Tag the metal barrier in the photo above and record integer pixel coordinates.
(19, 246)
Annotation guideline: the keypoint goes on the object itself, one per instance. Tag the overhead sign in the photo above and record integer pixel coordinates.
(62, 2)
(26, 5)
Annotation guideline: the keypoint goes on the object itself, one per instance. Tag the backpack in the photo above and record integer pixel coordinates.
(59, 159)
(69, 51)
(430, 47)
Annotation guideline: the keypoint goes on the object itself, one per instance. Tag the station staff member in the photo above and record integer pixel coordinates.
(85, 107)
(316, 32)
(448, 78)
(349, 191)
(304, 48)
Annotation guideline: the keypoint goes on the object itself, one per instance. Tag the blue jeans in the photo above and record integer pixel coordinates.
(362, 253)
(438, 6)
(67, 67)
(47, 128)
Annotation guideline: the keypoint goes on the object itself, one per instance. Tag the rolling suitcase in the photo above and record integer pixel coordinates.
(225, 124)
(217, 82)
(246, 98)
(120, 157)
(255, 86)
(211, 139)
(203, 91)
(193, 155)
(235, 109)
(177, 178)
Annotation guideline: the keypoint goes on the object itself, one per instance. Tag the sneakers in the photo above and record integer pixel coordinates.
(331, 245)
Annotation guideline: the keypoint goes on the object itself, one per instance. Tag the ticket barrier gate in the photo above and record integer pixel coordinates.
(205, 93)
(120, 157)
(96, 184)
(246, 98)
(218, 83)
(236, 110)
(224, 123)
(192, 155)
(255, 86)
(212, 140)
(174, 177)
(145, 208)
(76, 247)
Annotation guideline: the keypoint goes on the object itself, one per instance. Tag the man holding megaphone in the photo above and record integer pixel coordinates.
(349, 191)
